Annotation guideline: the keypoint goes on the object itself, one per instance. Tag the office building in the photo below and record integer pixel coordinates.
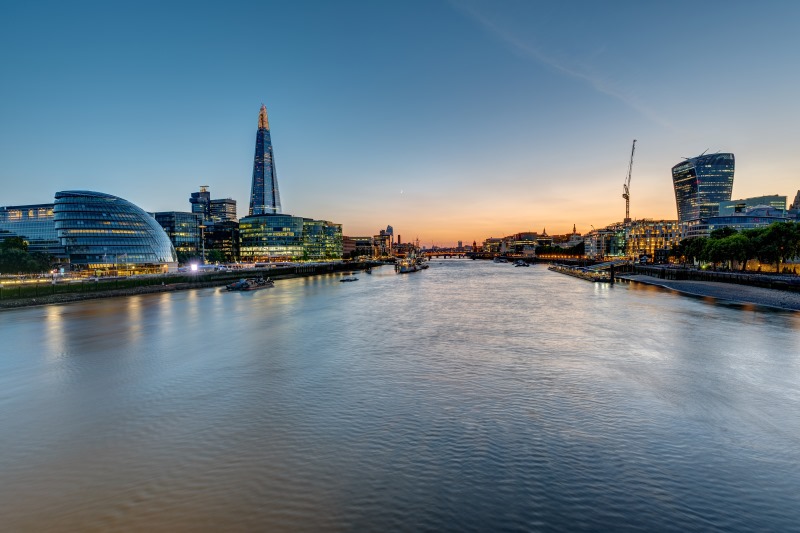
(33, 223)
(223, 210)
(223, 236)
(264, 196)
(322, 240)
(701, 183)
(183, 230)
(737, 206)
(201, 203)
(748, 218)
(101, 232)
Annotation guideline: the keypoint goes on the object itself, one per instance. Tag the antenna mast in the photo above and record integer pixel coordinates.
(626, 188)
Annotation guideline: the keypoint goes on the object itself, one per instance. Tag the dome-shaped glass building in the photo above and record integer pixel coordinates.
(103, 232)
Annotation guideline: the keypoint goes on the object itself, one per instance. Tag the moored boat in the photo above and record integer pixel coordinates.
(250, 284)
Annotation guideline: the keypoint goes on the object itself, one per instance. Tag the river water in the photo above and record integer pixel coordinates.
(469, 397)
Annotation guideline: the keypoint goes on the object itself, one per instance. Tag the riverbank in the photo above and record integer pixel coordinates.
(166, 286)
(730, 292)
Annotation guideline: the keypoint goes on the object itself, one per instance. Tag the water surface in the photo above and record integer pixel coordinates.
(471, 396)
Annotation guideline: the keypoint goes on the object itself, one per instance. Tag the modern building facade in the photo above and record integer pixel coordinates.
(201, 202)
(748, 218)
(322, 240)
(271, 237)
(33, 223)
(281, 237)
(183, 230)
(223, 210)
(264, 196)
(701, 183)
(224, 236)
(101, 232)
(775, 201)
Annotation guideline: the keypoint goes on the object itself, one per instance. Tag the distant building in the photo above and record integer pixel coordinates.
(35, 224)
(322, 240)
(201, 203)
(701, 183)
(737, 206)
(223, 210)
(183, 230)
(605, 242)
(796, 203)
(652, 238)
(224, 236)
(382, 243)
(101, 232)
(264, 196)
(281, 237)
(749, 218)
(358, 246)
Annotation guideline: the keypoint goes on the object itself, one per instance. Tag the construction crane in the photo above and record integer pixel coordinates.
(626, 188)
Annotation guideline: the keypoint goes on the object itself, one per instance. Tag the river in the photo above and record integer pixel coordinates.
(472, 396)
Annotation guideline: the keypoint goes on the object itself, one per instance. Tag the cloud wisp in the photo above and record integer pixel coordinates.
(595, 82)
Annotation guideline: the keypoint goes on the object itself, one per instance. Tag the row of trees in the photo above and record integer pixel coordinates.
(15, 258)
(773, 244)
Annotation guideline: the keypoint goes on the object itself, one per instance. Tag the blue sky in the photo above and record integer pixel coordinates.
(448, 120)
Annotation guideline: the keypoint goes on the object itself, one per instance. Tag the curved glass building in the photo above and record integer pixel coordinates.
(103, 232)
(701, 183)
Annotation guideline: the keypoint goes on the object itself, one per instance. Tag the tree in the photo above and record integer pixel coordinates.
(738, 248)
(721, 233)
(780, 241)
(215, 256)
(694, 247)
(14, 243)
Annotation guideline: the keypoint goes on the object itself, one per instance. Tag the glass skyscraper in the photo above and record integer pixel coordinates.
(701, 183)
(264, 196)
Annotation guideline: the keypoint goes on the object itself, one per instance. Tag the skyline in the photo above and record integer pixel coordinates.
(449, 121)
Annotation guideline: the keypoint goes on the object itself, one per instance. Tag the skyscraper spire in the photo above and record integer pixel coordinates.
(263, 121)
(264, 195)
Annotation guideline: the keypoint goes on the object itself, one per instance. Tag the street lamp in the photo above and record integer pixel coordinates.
(203, 242)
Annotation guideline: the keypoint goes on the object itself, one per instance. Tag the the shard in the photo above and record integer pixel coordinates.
(264, 195)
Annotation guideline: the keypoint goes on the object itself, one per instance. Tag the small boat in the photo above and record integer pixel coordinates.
(250, 284)
(348, 279)
(520, 263)
(405, 266)
(499, 259)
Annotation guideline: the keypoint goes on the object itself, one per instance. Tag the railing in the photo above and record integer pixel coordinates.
(770, 281)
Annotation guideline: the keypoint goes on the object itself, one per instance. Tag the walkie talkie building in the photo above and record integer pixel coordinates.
(701, 183)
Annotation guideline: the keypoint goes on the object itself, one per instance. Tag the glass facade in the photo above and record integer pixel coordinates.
(201, 203)
(224, 236)
(701, 183)
(282, 237)
(264, 195)
(737, 206)
(322, 240)
(35, 224)
(183, 230)
(100, 232)
(271, 237)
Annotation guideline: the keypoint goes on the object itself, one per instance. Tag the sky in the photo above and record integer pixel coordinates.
(449, 120)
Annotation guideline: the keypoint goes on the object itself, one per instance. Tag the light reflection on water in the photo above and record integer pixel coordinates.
(471, 396)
